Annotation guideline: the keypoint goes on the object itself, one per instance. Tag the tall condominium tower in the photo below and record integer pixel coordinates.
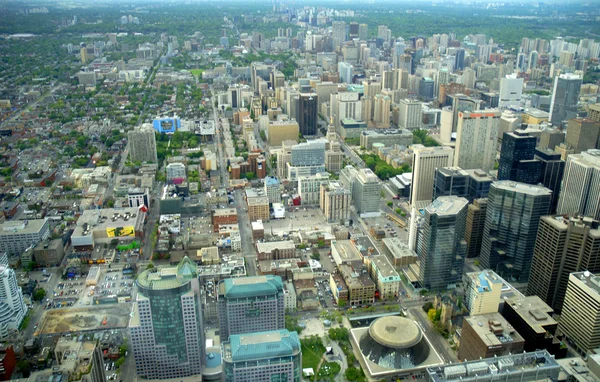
(441, 246)
(580, 192)
(511, 89)
(580, 316)
(425, 161)
(366, 192)
(563, 245)
(166, 323)
(517, 158)
(582, 134)
(12, 305)
(142, 144)
(565, 96)
(477, 134)
(250, 305)
(511, 224)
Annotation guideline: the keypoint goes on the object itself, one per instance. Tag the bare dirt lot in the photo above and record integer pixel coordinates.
(98, 317)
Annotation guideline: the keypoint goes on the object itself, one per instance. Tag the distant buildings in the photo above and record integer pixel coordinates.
(166, 330)
(167, 125)
(250, 305)
(511, 224)
(582, 134)
(441, 245)
(262, 356)
(387, 137)
(511, 89)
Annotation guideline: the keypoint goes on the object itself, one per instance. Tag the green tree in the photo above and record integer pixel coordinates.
(389, 204)
(354, 374)
(39, 294)
(150, 266)
(29, 266)
(315, 255)
(431, 314)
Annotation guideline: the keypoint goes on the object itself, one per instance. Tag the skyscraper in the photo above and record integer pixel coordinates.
(450, 181)
(582, 134)
(142, 144)
(565, 96)
(12, 305)
(477, 134)
(551, 173)
(511, 224)
(166, 322)
(441, 246)
(580, 192)
(425, 161)
(250, 305)
(264, 356)
(459, 59)
(363, 32)
(366, 192)
(338, 32)
(474, 226)
(563, 245)
(580, 316)
(306, 113)
(511, 89)
(426, 88)
(517, 158)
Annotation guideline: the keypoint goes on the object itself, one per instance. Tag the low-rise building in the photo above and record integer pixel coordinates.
(108, 224)
(385, 277)
(224, 216)
(49, 252)
(18, 235)
(399, 252)
(276, 250)
(361, 289)
(486, 336)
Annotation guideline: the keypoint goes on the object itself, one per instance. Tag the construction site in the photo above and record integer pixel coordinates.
(100, 317)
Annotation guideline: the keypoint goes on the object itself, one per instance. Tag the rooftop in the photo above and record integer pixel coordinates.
(534, 311)
(398, 248)
(523, 188)
(243, 287)
(168, 277)
(354, 277)
(346, 251)
(273, 245)
(262, 345)
(225, 212)
(589, 279)
(395, 332)
(447, 205)
(493, 329)
(483, 279)
(385, 269)
(108, 218)
(22, 227)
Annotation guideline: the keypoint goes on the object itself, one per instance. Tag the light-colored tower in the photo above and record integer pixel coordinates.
(142, 144)
(425, 161)
(12, 305)
(580, 191)
(477, 134)
(565, 96)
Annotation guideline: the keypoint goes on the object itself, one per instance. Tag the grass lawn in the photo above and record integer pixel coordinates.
(312, 351)
(197, 72)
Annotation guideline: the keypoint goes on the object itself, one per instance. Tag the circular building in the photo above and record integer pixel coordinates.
(394, 342)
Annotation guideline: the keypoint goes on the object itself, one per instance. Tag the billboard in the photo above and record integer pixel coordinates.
(120, 231)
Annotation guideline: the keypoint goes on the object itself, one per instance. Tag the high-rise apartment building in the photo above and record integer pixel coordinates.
(441, 246)
(582, 134)
(250, 305)
(363, 32)
(565, 96)
(511, 223)
(580, 315)
(476, 137)
(511, 90)
(580, 191)
(142, 144)
(551, 173)
(517, 161)
(262, 357)
(425, 161)
(381, 113)
(366, 192)
(12, 306)
(280, 131)
(563, 246)
(483, 292)
(335, 201)
(165, 326)
(474, 227)
(307, 113)
(338, 32)
(273, 189)
(410, 114)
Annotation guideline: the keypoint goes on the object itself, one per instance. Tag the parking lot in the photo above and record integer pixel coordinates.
(302, 218)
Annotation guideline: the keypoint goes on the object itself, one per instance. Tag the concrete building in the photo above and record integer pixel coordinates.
(532, 318)
(165, 327)
(580, 191)
(284, 157)
(102, 226)
(441, 245)
(511, 224)
(345, 105)
(262, 357)
(425, 161)
(142, 145)
(49, 253)
(361, 289)
(580, 316)
(410, 114)
(250, 305)
(488, 335)
(176, 173)
(366, 193)
(350, 128)
(223, 216)
(381, 111)
(18, 235)
(273, 189)
(387, 137)
(511, 90)
(582, 134)
(563, 246)
(398, 252)
(12, 306)
(335, 201)
(79, 358)
(483, 292)
(309, 188)
(476, 137)
(476, 212)
(565, 96)
(384, 275)
(523, 367)
(279, 131)
(258, 208)
(276, 250)
(137, 197)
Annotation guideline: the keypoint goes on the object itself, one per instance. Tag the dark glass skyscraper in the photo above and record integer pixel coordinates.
(517, 158)
(511, 224)
(459, 59)
(551, 174)
(307, 114)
